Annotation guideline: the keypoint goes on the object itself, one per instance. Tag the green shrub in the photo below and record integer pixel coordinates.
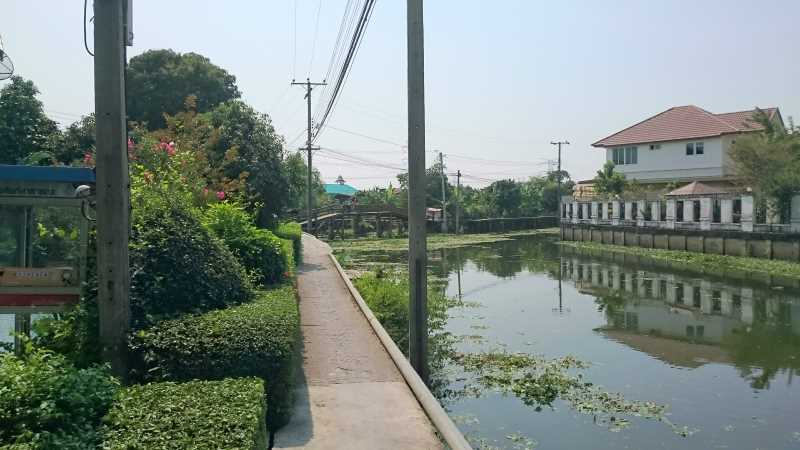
(287, 247)
(258, 250)
(227, 414)
(177, 266)
(293, 232)
(254, 339)
(46, 403)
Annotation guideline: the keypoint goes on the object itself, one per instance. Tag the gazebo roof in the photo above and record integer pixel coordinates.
(697, 188)
(340, 189)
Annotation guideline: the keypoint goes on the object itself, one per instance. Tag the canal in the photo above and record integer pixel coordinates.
(673, 359)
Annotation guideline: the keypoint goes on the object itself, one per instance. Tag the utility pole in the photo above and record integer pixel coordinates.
(417, 245)
(309, 148)
(113, 183)
(558, 176)
(458, 204)
(444, 194)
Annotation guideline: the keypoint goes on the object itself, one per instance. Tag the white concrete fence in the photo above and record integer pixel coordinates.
(690, 213)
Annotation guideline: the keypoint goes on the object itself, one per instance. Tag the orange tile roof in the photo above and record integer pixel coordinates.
(684, 122)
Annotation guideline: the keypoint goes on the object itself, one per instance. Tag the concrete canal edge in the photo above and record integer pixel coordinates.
(444, 425)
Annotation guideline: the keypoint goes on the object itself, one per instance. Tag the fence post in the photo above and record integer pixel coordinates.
(747, 213)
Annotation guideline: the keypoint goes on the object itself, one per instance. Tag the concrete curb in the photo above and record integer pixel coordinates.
(446, 428)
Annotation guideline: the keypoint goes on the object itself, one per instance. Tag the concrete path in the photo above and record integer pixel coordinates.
(350, 395)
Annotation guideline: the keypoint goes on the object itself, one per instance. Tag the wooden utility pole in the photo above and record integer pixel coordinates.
(417, 245)
(444, 194)
(113, 183)
(309, 148)
(458, 201)
(558, 176)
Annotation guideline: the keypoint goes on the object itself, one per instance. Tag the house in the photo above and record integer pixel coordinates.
(681, 144)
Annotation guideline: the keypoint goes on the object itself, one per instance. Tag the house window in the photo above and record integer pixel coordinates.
(679, 211)
(631, 155)
(694, 148)
(619, 156)
(625, 155)
(663, 210)
(696, 297)
(634, 211)
(622, 210)
(716, 209)
(609, 210)
(655, 146)
(696, 210)
(737, 211)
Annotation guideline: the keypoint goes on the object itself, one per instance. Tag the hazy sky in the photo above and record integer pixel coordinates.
(503, 78)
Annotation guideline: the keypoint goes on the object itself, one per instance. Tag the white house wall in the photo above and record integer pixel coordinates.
(671, 162)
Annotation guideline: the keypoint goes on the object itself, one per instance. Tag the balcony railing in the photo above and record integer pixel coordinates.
(687, 225)
(772, 228)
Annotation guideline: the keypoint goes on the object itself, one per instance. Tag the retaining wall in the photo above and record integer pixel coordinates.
(758, 245)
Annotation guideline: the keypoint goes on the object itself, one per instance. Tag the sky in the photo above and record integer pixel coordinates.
(503, 78)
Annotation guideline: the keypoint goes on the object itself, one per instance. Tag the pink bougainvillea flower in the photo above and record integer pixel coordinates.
(87, 157)
(220, 195)
(130, 144)
(171, 149)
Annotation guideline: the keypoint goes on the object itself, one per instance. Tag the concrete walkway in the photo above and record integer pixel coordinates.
(350, 395)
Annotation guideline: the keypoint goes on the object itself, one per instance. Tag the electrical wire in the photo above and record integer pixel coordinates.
(383, 141)
(314, 42)
(294, 43)
(355, 43)
(85, 42)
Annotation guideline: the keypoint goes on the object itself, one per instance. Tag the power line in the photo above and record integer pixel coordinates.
(314, 42)
(294, 43)
(365, 136)
(355, 44)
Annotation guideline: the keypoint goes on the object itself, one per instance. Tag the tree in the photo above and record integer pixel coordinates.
(507, 197)
(247, 147)
(159, 81)
(608, 182)
(77, 140)
(297, 173)
(24, 128)
(769, 162)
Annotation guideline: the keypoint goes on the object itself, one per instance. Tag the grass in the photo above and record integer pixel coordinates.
(699, 261)
(435, 241)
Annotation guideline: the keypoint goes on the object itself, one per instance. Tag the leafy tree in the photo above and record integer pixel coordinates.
(159, 81)
(769, 162)
(608, 182)
(24, 128)
(248, 148)
(297, 174)
(507, 197)
(77, 140)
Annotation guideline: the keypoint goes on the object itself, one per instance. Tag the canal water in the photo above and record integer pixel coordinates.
(721, 352)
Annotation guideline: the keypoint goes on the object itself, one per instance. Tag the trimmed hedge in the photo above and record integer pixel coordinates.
(294, 232)
(177, 266)
(46, 403)
(227, 414)
(255, 339)
(259, 250)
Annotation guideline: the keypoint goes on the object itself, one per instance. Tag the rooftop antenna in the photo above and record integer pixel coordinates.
(6, 65)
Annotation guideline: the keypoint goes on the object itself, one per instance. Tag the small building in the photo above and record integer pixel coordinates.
(681, 144)
(340, 191)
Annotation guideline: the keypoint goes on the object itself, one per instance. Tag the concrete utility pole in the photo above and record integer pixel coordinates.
(113, 183)
(458, 202)
(417, 245)
(444, 194)
(558, 176)
(309, 148)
